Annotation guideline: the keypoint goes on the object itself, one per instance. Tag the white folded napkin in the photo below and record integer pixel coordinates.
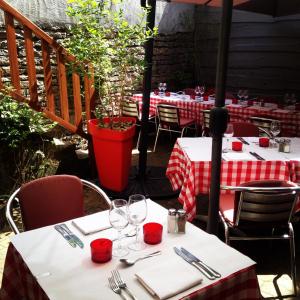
(169, 278)
(92, 223)
(237, 156)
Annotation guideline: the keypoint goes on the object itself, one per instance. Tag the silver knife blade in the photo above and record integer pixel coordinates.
(75, 238)
(190, 261)
(197, 260)
(66, 236)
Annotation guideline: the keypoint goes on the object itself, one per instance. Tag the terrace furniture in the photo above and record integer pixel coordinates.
(171, 121)
(261, 210)
(132, 109)
(263, 123)
(205, 125)
(244, 129)
(49, 200)
(40, 264)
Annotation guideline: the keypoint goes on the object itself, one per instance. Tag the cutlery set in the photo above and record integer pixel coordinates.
(69, 236)
(257, 156)
(207, 271)
(243, 140)
(117, 284)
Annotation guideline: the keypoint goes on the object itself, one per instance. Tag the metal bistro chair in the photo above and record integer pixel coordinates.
(263, 124)
(261, 210)
(131, 109)
(50, 200)
(205, 122)
(170, 120)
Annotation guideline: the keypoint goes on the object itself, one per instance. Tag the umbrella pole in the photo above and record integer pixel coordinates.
(146, 91)
(218, 117)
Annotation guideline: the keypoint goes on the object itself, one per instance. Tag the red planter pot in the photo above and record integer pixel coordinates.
(112, 150)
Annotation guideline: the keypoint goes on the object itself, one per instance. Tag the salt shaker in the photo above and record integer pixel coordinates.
(172, 222)
(181, 220)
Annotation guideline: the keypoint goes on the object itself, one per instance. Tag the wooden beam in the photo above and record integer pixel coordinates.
(48, 77)
(12, 52)
(89, 93)
(63, 89)
(31, 69)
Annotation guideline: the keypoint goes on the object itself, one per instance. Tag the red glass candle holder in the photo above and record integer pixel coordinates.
(237, 146)
(152, 233)
(234, 101)
(156, 92)
(193, 96)
(168, 94)
(264, 142)
(101, 250)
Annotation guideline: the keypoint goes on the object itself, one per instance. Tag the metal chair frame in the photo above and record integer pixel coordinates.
(169, 118)
(132, 109)
(268, 207)
(14, 197)
(263, 125)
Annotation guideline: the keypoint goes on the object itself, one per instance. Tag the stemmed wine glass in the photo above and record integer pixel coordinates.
(161, 88)
(137, 212)
(228, 134)
(275, 130)
(240, 95)
(164, 87)
(202, 91)
(119, 220)
(197, 91)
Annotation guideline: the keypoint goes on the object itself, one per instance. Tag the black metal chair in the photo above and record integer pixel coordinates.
(261, 210)
(263, 124)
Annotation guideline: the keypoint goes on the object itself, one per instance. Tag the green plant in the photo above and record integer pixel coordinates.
(18, 121)
(103, 36)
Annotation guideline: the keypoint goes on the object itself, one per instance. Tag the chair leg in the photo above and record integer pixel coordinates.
(226, 229)
(157, 133)
(138, 140)
(292, 254)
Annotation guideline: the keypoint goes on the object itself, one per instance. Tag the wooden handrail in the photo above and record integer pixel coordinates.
(56, 108)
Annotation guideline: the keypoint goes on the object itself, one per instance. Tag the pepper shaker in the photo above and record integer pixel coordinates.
(181, 220)
(172, 222)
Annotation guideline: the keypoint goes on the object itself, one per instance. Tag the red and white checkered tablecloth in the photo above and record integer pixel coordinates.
(19, 283)
(193, 177)
(290, 120)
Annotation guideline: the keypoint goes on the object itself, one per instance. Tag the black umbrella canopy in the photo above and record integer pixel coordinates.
(275, 8)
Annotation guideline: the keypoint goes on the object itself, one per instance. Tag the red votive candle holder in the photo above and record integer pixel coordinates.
(237, 146)
(156, 92)
(264, 142)
(101, 250)
(168, 94)
(193, 97)
(152, 233)
(234, 101)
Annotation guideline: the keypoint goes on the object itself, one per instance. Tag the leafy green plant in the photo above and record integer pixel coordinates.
(18, 121)
(103, 36)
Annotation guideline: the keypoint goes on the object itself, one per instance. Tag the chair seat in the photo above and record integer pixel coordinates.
(186, 122)
(227, 207)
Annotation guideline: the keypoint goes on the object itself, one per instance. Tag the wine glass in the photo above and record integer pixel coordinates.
(240, 95)
(161, 88)
(119, 220)
(137, 212)
(228, 134)
(164, 87)
(197, 91)
(202, 91)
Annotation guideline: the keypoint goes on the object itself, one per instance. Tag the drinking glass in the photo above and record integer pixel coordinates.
(161, 88)
(240, 95)
(228, 134)
(197, 91)
(137, 212)
(202, 91)
(119, 220)
(164, 87)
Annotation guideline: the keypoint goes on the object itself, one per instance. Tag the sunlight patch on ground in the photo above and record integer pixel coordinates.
(267, 287)
(136, 151)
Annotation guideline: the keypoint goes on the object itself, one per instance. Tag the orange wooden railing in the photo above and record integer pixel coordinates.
(55, 60)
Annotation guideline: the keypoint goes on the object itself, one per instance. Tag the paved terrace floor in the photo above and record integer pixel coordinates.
(272, 257)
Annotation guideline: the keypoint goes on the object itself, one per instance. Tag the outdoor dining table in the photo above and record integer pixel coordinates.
(189, 166)
(289, 118)
(40, 264)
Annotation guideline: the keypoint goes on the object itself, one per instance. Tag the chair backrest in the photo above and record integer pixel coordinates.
(268, 202)
(205, 121)
(263, 123)
(130, 109)
(49, 200)
(244, 129)
(168, 114)
(189, 91)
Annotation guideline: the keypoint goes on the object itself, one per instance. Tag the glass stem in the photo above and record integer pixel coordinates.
(119, 240)
(137, 229)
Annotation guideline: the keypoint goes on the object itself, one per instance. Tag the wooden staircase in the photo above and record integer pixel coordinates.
(60, 96)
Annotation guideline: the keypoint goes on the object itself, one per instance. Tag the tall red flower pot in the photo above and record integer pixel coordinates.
(112, 150)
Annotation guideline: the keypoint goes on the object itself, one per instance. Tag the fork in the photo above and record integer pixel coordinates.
(115, 287)
(121, 284)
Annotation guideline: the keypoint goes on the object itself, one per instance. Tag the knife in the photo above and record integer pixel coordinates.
(256, 155)
(75, 238)
(243, 140)
(204, 271)
(197, 260)
(65, 235)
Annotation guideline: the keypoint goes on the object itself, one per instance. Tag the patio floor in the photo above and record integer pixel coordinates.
(272, 257)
